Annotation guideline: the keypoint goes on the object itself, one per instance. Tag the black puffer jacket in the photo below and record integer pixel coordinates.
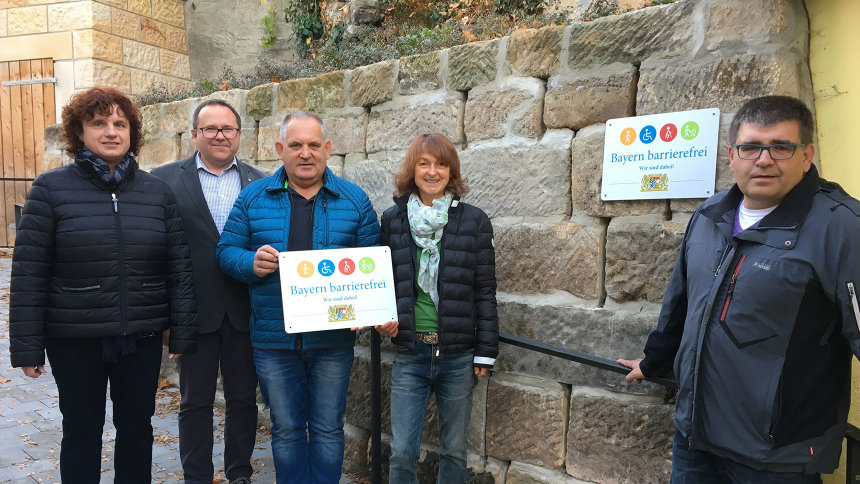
(467, 280)
(91, 262)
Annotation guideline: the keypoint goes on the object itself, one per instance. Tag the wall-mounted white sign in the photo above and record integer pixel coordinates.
(669, 155)
(337, 288)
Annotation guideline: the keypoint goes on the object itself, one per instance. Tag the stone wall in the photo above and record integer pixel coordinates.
(527, 113)
(126, 44)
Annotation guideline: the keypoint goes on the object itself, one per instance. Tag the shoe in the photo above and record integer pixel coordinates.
(241, 480)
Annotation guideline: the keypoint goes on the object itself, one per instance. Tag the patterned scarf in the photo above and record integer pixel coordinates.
(426, 224)
(102, 169)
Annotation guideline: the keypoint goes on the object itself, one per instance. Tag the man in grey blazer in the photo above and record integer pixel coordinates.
(206, 185)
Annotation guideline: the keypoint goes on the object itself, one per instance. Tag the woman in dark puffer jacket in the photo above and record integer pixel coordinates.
(445, 283)
(100, 269)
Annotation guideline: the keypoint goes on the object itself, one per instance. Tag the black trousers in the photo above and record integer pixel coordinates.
(198, 375)
(82, 377)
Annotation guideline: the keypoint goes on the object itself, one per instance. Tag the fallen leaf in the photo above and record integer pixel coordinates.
(5, 380)
(469, 36)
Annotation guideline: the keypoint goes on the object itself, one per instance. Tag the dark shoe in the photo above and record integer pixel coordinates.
(241, 480)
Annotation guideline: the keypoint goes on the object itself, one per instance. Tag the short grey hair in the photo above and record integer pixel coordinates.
(302, 115)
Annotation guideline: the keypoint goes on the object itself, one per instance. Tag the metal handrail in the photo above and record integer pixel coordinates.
(530, 344)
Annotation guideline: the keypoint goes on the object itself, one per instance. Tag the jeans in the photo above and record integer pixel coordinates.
(417, 373)
(701, 467)
(306, 392)
(82, 377)
(230, 350)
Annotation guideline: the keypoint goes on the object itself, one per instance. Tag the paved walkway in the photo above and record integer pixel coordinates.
(30, 424)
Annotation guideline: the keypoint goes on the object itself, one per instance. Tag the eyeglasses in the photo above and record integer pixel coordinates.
(782, 151)
(229, 132)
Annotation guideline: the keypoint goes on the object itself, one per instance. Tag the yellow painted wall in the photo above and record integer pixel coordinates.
(833, 41)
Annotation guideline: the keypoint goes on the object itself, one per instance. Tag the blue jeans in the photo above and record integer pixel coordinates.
(417, 373)
(306, 392)
(701, 467)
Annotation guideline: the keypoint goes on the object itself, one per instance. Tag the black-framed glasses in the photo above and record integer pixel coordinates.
(780, 151)
(229, 132)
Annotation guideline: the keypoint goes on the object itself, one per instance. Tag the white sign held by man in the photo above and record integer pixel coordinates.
(669, 155)
(336, 288)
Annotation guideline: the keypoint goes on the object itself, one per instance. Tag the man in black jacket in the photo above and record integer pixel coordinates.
(206, 185)
(761, 317)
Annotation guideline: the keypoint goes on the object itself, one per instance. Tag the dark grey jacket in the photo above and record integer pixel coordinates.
(761, 327)
(468, 319)
(217, 294)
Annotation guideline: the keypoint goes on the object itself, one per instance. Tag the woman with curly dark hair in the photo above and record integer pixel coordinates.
(100, 269)
(445, 282)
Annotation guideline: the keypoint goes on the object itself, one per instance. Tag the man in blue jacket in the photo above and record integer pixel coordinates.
(303, 377)
(760, 317)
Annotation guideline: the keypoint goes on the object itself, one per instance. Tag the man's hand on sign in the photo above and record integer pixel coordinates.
(265, 261)
(388, 329)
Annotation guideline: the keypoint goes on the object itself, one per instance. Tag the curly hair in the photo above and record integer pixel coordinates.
(99, 100)
(440, 147)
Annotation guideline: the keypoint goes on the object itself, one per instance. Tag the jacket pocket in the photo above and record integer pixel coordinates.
(78, 290)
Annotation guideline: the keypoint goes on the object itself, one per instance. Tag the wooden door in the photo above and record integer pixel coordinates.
(26, 109)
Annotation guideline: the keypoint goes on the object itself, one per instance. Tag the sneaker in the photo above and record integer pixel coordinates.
(241, 480)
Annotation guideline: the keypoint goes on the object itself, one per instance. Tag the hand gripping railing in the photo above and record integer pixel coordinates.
(376, 385)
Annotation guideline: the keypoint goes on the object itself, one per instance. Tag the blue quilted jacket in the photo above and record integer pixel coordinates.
(343, 218)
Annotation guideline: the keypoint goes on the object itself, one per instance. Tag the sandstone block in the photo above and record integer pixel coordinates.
(175, 64)
(4, 4)
(590, 96)
(260, 100)
(313, 94)
(176, 116)
(98, 45)
(472, 64)
(521, 473)
(722, 82)
(661, 31)
(27, 20)
(640, 254)
(520, 179)
(394, 125)
(535, 52)
(364, 12)
(79, 15)
(586, 152)
(142, 7)
(347, 131)
(175, 39)
(420, 73)
(373, 84)
(125, 24)
(238, 98)
(515, 403)
(158, 151)
(730, 23)
(153, 32)
(619, 440)
(375, 176)
(187, 146)
(248, 144)
(335, 164)
(568, 252)
(4, 16)
(169, 11)
(357, 443)
(565, 321)
(516, 109)
(112, 3)
(485, 470)
(90, 73)
(266, 137)
(140, 55)
(151, 116)
(142, 81)
(268, 167)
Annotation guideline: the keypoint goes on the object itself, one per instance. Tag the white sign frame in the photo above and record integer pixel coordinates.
(319, 302)
(660, 156)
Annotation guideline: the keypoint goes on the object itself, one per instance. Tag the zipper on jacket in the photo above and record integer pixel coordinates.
(122, 268)
(732, 288)
(723, 258)
(325, 216)
(853, 295)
